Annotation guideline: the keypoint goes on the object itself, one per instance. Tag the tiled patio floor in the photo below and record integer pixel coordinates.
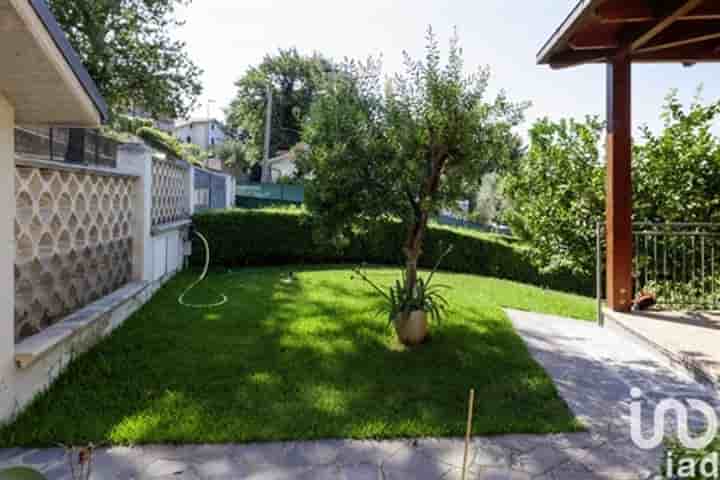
(690, 338)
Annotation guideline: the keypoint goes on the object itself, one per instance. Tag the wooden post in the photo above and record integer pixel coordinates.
(468, 431)
(619, 184)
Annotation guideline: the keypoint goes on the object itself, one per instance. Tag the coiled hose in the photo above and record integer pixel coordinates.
(181, 298)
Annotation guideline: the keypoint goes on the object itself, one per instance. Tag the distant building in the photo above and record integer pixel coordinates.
(205, 133)
(283, 165)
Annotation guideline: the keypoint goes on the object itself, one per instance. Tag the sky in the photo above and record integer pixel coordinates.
(225, 37)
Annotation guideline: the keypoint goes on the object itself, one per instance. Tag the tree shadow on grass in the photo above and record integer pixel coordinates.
(304, 359)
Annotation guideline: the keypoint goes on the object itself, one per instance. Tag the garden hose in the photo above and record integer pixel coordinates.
(181, 298)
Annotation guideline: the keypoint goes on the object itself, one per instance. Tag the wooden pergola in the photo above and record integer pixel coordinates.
(619, 33)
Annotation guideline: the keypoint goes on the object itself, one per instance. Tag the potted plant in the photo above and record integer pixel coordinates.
(409, 309)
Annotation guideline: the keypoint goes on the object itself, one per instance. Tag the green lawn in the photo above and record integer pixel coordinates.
(303, 360)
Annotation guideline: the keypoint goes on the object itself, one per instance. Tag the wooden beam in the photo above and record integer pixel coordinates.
(704, 12)
(599, 38)
(663, 24)
(679, 43)
(619, 184)
(617, 11)
(623, 11)
(580, 57)
(693, 53)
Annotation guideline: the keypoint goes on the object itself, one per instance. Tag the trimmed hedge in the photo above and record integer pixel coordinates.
(283, 237)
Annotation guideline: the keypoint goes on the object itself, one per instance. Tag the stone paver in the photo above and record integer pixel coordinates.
(689, 338)
(594, 370)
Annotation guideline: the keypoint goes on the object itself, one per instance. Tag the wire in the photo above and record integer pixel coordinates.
(181, 298)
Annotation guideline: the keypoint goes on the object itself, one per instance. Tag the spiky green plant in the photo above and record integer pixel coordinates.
(402, 300)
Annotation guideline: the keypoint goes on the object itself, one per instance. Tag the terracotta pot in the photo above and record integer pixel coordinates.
(412, 328)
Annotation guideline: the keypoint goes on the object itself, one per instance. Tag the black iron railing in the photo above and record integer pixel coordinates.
(678, 263)
(67, 145)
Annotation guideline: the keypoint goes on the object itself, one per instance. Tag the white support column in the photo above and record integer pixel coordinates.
(7, 258)
(230, 191)
(190, 189)
(137, 158)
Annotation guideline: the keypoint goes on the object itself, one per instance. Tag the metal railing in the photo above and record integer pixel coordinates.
(67, 145)
(678, 263)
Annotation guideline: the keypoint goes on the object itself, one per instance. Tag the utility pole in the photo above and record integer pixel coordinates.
(209, 106)
(266, 171)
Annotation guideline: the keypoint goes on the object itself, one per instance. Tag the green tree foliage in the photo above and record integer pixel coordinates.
(488, 204)
(169, 145)
(557, 191)
(233, 154)
(677, 173)
(128, 50)
(404, 148)
(295, 80)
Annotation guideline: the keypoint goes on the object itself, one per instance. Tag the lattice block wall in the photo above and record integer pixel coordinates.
(73, 234)
(169, 191)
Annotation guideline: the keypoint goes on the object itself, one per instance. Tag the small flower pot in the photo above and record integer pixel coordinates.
(412, 328)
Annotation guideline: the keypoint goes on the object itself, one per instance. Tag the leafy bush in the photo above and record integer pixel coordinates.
(557, 190)
(170, 145)
(286, 236)
(130, 124)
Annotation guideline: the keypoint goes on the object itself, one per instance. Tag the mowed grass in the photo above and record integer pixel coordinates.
(302, 360)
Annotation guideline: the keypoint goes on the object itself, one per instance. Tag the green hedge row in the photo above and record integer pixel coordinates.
(280, 237)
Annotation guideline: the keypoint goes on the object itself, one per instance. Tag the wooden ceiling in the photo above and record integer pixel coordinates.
(683, 31)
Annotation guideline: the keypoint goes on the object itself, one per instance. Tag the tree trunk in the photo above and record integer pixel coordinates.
(416, 231)
(413, 250)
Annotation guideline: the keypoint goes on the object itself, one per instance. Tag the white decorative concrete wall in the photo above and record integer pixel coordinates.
(73, 239)
(163, 222)
(169, 190)
(108, 205)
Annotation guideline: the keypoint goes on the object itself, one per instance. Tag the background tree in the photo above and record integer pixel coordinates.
(487, 203)
(557, 193)
(557, 190)
(405, 152)
(296, 81)
(677, 173)
(234, 157)
(128, 50)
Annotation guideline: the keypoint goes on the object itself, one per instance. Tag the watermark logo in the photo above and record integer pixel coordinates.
(681, 413)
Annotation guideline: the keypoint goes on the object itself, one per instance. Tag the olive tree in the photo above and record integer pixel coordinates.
(403, 147)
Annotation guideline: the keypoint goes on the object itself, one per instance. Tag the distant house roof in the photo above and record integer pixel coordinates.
(596, 31)
(288, 155)
(184, 123)
(41, 74)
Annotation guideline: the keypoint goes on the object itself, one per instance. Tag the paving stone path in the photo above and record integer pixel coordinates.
(594, 370)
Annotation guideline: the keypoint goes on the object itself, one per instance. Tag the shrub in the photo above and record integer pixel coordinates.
(130, 124)
(170, 145)
(286, 236)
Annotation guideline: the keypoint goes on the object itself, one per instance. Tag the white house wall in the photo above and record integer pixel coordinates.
(7, 257)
